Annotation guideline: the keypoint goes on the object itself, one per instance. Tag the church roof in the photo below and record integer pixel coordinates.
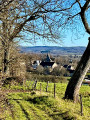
(46, 64)
(47, 59)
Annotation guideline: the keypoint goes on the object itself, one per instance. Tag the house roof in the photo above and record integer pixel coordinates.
(46, 64)
(65, 66)
(71, 71)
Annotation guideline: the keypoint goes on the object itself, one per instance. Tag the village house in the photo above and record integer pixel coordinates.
(69, 68)
(47, 62)
(35, 64)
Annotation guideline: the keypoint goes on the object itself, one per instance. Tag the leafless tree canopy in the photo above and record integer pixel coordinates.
(43, 17)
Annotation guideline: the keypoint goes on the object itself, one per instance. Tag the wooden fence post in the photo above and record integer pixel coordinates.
(81, 105)
(47, 86)
(40, 87)
(54, 90)
(35, 84)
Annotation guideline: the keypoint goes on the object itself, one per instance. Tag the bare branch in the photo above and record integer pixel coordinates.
(19, 27)
(59, 9)
(83, 17)
(4, 4)
(79, 3)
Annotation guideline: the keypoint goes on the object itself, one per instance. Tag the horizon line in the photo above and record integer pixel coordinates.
(50, 46)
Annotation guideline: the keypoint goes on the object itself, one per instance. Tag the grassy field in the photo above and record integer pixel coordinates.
(27, 104)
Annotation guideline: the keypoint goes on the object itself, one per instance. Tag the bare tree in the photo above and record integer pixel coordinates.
(72, 91)
(17, 19)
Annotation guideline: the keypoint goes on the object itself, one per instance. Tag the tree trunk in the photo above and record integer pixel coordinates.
(5, 63)
(72, 91)
(5, 67)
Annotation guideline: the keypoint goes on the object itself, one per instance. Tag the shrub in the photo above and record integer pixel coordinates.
(12, 81)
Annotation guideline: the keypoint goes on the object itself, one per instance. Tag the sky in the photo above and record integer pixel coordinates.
(66, 42)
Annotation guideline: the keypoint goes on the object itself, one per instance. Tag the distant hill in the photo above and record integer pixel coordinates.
(55, 50)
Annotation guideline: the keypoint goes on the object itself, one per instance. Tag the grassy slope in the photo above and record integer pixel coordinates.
(43, 106)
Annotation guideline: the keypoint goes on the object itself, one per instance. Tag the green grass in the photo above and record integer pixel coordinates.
(42, 105)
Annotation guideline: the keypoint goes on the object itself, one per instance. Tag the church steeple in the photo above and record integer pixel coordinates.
(48, 58)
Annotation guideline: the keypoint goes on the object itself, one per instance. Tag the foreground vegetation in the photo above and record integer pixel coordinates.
(28, 104)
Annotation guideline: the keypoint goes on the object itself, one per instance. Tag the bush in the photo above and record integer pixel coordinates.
(58, 71)
(12, 81)
(45, 78)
